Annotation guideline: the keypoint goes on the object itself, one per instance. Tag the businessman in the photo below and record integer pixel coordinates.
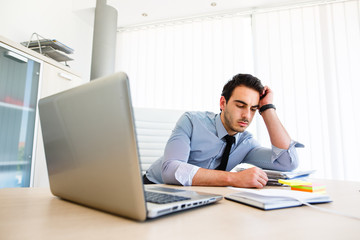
(205, 146)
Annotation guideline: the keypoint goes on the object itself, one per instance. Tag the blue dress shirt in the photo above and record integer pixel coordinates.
(197, 141)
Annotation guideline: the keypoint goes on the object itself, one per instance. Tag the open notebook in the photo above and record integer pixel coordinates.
(268, 199)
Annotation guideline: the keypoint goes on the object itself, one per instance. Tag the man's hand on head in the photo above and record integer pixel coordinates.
(266, 97)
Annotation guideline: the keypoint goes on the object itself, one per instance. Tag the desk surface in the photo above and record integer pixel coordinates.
(33, 213)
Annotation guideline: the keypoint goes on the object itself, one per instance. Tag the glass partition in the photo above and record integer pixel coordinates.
(19, 82)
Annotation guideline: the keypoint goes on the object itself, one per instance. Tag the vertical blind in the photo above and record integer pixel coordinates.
(309, 56)
(185, 65)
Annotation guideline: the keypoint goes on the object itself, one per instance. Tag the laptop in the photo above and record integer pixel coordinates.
(92, 155)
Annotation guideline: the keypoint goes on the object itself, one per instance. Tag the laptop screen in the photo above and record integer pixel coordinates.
(90, 146)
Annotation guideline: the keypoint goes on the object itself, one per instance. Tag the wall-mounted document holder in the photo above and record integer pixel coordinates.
(50, 48)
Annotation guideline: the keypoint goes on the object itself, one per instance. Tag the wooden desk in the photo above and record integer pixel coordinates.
(33, 213)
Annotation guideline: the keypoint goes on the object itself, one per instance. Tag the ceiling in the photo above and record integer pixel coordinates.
(137, 12)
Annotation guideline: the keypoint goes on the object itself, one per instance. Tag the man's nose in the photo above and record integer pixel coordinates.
(246, 113)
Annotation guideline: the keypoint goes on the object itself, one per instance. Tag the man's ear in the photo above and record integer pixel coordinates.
(222, 102)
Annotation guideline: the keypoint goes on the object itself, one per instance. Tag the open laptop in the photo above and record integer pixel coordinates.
(92, 155)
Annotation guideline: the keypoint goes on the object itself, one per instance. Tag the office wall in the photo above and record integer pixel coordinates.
(65, 20)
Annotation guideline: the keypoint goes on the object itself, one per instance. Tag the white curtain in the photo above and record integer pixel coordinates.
(184, 65)
(309, 55)
(311, 58)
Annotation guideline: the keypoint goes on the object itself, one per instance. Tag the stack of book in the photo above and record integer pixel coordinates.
(274, 176)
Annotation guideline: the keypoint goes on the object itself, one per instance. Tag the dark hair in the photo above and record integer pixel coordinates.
(246, 80)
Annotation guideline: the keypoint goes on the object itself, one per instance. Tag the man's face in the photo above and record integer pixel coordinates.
(239, 111)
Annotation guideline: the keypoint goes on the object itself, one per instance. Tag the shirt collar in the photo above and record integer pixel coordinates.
(221, 131)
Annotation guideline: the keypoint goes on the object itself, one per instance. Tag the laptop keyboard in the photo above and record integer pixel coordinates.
(162, 198)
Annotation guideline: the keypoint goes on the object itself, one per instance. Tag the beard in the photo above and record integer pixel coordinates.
(232, 123)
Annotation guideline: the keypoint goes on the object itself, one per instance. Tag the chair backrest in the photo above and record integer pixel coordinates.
(153, 129)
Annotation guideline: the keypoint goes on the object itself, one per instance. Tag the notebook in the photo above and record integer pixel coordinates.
(92, 155)
(270, 199)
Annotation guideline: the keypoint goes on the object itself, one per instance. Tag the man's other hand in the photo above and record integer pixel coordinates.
(252, 177)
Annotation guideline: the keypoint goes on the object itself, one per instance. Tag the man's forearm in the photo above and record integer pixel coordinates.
(208, 177)
(253, 177)
(279, 137)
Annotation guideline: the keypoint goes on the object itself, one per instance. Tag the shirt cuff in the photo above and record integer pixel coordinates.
(277, 152)
(185, 173)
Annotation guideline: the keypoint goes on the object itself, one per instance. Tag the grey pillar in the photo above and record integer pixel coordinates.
(104, 40)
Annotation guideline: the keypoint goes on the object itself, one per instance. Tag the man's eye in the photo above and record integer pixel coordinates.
(253, 109)
(240, 106)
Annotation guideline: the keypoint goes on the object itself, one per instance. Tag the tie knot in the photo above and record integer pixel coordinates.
(229, 139)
